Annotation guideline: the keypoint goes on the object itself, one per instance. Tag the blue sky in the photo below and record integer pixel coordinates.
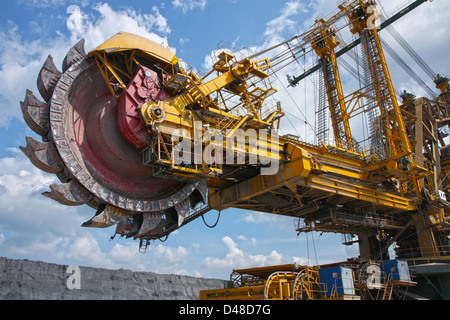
(34, 227)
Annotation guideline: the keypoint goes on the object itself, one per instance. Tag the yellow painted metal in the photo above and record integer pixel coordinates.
(240, 293)
(323, 41)
(279, 286)
(298, 171)
(296, 282)
(130, 45)
(394, 128)
(124, 41)
(359, 192)
(279, 282)
(226, 198)
(198, 92)
(340, 94)
(406, 146)
(338, 174)
(110, 73)
(443, 87)
(194, 103)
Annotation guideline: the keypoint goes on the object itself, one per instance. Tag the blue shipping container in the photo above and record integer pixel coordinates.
(398, 268)
(337, 280)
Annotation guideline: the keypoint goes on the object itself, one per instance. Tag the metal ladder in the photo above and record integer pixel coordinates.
(389, 289)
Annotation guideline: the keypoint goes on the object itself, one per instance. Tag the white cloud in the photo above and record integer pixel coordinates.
(237, 258)
(170, 256)
(35, 227)
(76, 21)
(283, 23)
(21, 180)
(259, 217)
(189, 5)
(109, 22)
(252, 241)
(241, 237)
(2, 237)
(21, 60)
(84, 249)
(183, 41)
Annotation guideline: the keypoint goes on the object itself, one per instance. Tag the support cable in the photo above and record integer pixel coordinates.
(298, 108)
(407, 47)
(407, 68)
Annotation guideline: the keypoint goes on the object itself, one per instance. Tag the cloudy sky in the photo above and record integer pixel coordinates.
(34, 227)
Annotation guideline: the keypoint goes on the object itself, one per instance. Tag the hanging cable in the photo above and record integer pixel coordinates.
(161, 239)
(215, 224)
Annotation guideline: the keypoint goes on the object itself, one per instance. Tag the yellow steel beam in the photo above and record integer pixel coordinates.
(298, 171)
(242, 69)
(124, 41)
(323, 41)
(241, 293)
(299, 166)
(406, 146)
(342, 106)
(359, 192)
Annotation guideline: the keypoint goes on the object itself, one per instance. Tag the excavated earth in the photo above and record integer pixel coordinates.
(37, 280)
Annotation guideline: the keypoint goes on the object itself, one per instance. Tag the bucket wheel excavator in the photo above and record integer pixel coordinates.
(138, 135)
(107, 122)
(94, 144)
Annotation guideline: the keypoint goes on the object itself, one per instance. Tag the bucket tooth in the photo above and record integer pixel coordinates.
(136, 226)
(47, 79)
(182, 210)
(69, 194)
(35, 113)
(43, 155)
(151, 220)
(75, 54)
(124, 226)
(199, 194)
(106, 216)
(194, 198)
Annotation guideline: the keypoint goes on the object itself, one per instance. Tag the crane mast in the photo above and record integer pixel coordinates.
(362, 15)
(323, 41)
(390, 149)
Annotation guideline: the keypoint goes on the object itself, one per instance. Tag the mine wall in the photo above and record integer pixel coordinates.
(37, 280)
